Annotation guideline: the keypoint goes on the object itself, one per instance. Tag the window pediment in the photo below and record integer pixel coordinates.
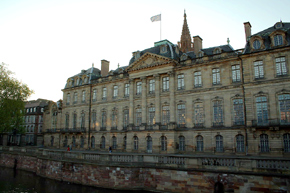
(278, 38)
(149, 60)
(257, 43)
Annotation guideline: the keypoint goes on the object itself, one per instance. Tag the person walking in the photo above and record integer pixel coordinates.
(110, 149)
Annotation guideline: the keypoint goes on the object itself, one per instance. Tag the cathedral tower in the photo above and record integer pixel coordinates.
(185, 44)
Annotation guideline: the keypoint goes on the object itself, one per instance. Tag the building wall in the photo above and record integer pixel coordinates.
(247, 88)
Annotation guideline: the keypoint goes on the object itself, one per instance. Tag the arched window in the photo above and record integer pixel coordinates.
(219, 143)
(181, 143)
(278, 40)
(240, 143)
(163, 143)
(264, 143)
(103, 142)
(93, 142)
(257, 44)
(82, 142)
(199, 143)
(73, 141)
(114, 142)
(286, 140)
(125, 119)
(149, 144)
(135, 139)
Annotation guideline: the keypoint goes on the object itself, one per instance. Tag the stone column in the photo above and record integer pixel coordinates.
(144, 101)
(172, 100)
(157, 101)
(131, 102)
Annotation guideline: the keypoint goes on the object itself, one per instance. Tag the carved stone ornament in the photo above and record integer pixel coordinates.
(149, 61)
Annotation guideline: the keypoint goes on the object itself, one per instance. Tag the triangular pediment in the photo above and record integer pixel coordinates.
(149, 60)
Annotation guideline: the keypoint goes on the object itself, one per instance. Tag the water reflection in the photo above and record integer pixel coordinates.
(16, 181)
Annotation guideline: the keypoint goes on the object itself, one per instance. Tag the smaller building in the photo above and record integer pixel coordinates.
(33, 122)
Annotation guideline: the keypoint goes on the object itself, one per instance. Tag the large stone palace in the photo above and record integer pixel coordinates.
(182, 98)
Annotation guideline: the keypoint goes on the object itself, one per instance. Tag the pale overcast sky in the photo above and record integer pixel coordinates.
(45, 42)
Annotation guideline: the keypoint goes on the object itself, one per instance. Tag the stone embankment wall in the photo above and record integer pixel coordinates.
(145, 178)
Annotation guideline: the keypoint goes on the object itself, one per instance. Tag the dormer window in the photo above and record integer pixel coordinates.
(78, 81)
(200, 54)
(256, 44)
(217, 51)
(278, 40)
(81, 81)
(163, 49)
(278, 25)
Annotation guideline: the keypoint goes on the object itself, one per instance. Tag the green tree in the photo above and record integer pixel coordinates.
(12, 101)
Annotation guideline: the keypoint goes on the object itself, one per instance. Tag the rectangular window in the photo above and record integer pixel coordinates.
(238, 110)
(180, 82)
(165, 115)
(67, 121)
(104, 97)
(262, 110)
(115, 93)
(127, 86)
(94, 95)
(281, 68)
(114, 119)
(278, 40)
(82, 120)
(236, 73)
(138, 116)
(259, 69)
(217, 113)
(151, 86)
(165, 84)
(139, 88)
(198, 115)
(75, 97)
(75, 121)
(126, 118)
(83, 96)
(216, 76)
(104, 120)
(94, 119)
(151, 120)
(181, 115)
(284, 108)
(68, 98)
(197, 79)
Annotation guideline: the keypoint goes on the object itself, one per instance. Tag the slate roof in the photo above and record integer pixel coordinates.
(224, 48)
(266, 38)
(171, 53)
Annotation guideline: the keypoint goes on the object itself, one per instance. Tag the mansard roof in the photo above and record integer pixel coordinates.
(224, 48)
(266, 39)
(95, 72)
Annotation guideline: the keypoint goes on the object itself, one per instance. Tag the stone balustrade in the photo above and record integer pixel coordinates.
(261, 164)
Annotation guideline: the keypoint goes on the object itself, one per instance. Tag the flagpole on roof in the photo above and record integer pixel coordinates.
(160, 25)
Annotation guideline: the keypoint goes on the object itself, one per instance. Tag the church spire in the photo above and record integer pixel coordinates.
(185, 40)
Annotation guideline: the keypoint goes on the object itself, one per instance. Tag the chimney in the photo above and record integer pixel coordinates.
(197, 44)
(105, 67)
(248, 32)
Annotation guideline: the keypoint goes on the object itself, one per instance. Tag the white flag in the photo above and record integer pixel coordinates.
(156, 18)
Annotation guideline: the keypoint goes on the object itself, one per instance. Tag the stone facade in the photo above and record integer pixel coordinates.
(209, 101)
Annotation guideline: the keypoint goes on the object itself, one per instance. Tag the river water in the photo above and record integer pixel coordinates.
(19, 181)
